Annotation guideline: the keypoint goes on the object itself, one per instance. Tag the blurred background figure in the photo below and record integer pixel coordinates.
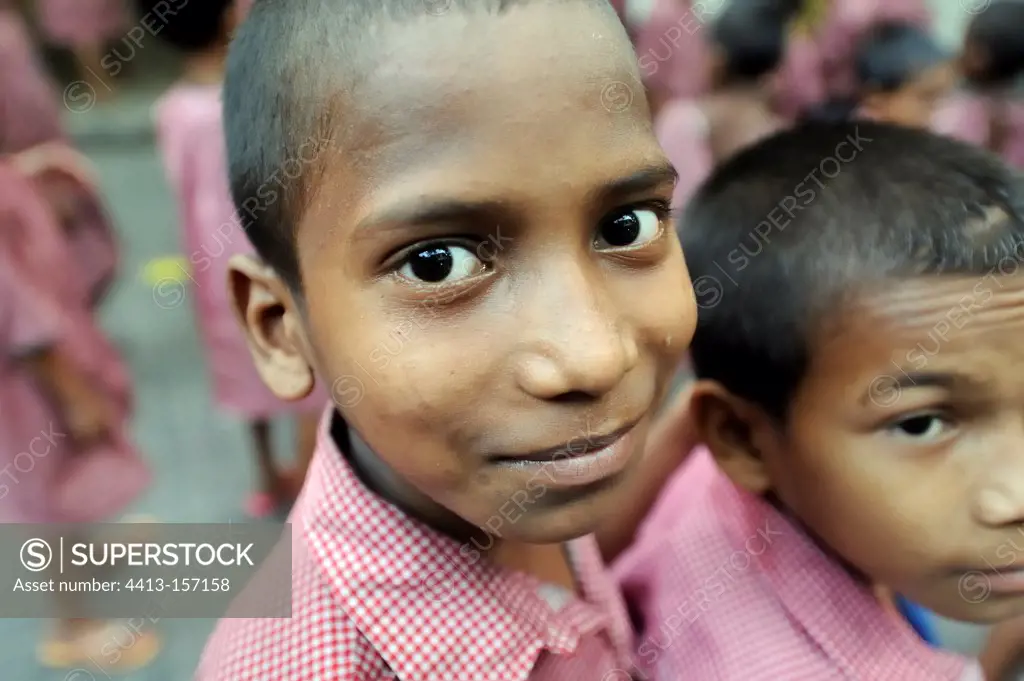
(902, 76)
(746, 44)
(191, 143)
(988, 110)
(128, 197)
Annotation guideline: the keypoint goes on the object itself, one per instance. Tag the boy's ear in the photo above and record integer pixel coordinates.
(271, 320)
(736, 432)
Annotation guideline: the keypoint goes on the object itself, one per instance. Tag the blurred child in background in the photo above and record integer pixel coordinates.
(749, 40)
(987, 112)
(86, 27)
(30, 126)
(65, 401)
(902, 75)
(189, 134)
(820, 63)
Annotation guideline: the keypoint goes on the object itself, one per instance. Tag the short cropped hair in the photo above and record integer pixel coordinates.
(286, 65)
(790, 230)
(190, 27)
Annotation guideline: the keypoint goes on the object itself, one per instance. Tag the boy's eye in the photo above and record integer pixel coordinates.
(441, 263)
(629, 227)
(922, 426)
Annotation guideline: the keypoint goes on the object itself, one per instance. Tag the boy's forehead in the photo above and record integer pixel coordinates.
(546, 92)
(537, 58)
(961, 323)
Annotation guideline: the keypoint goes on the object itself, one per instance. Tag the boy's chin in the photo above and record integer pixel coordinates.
(559, 524)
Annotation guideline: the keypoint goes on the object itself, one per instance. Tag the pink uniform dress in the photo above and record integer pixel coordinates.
(81, 23)
(191, 141)
(671, 51)
(820, 66)
(47, 477)
(969, 117)
(30, 117)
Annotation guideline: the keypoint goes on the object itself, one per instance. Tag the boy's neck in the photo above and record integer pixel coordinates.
(206, 67)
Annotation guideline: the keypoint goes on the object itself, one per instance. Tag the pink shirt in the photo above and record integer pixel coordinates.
(377, 595)
(730, 589)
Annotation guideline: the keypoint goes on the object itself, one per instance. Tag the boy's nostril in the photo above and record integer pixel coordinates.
(574, 397)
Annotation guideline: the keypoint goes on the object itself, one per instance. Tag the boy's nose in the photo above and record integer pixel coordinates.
(1001, 504)
(589, 363)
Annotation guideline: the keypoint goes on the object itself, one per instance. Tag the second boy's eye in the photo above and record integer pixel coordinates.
(629, 227)
(922, 426)
(441, 264)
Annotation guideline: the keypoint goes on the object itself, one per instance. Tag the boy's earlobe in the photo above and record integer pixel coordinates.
(269, 316)
(730, 426)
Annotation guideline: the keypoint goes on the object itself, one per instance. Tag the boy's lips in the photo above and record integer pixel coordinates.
(1009, 580)
(577, 463)
(570, 449)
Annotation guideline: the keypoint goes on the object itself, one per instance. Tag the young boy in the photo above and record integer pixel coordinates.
(462, 215)
(859, 386)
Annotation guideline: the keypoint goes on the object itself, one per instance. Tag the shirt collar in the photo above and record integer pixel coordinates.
(414, 593)
(839, 613)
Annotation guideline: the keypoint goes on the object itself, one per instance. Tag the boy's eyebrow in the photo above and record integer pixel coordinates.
(644, 179)
(908, 381)
(422, 211)
(436, 211)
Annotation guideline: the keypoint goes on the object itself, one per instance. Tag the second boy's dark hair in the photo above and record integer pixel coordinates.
(785, 233)
(286, 65)
(191, 26)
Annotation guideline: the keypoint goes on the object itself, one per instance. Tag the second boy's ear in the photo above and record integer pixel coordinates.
(736, 432)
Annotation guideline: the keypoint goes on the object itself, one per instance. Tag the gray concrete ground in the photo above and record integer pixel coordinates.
(201, 459)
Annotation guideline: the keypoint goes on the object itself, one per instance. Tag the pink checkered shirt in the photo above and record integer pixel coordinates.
(731, 590)
(377, 595)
